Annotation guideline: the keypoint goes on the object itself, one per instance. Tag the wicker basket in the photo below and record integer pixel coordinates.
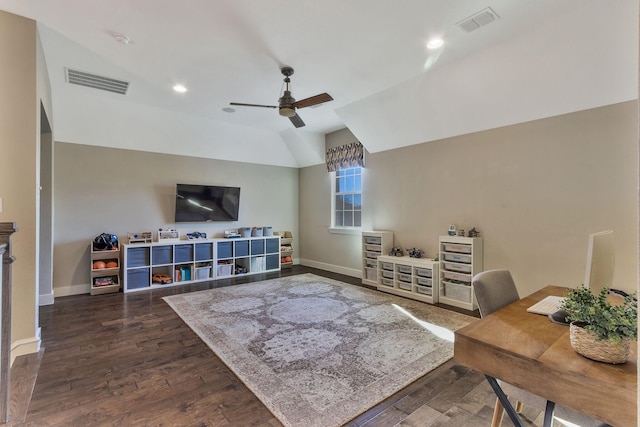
(586, 343)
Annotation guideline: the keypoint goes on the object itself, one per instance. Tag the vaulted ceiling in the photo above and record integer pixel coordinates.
(535, 59)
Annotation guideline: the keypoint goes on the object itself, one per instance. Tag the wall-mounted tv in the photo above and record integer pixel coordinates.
(206, 203)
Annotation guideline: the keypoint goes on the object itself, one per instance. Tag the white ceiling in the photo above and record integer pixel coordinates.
(539, 59)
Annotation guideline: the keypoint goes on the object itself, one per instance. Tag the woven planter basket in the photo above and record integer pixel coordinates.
(586, 343)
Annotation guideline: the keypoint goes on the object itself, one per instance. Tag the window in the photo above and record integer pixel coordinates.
(347, 198)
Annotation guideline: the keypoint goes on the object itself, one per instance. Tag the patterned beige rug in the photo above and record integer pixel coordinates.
(316, 351)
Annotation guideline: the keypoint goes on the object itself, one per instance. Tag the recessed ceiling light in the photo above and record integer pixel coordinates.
(229, 110)
(435, 43)
(180, 88)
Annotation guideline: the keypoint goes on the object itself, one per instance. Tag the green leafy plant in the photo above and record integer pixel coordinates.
(613, 322)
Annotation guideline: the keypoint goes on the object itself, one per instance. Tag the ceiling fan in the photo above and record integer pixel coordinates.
(287, 104)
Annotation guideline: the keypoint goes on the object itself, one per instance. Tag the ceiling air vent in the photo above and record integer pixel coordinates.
(477, 20)
(97, 82)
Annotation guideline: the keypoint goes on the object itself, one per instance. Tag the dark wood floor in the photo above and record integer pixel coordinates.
(129, 360)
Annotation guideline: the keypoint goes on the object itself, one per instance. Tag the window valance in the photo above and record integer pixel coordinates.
(345, 156)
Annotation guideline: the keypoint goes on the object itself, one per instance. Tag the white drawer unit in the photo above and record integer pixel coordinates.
(415, 278)
(374, 244)
(460, 260)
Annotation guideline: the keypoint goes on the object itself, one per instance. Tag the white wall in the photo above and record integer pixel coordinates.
(119, 191)
(534, 191)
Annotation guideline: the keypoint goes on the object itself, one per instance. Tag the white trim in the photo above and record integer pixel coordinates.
(332, 268)
(25, 346)
(45, 300)
(345, 230)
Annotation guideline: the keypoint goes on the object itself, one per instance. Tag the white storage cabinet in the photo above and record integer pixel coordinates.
(374, 244)
(460, 260)
(415, 278)
(190, 261)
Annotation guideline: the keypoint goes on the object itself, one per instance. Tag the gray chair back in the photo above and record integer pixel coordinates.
(494, 289)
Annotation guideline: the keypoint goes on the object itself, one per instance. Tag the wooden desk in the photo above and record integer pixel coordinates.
(529, 351)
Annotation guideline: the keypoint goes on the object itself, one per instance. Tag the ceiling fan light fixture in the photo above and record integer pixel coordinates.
(287, 111)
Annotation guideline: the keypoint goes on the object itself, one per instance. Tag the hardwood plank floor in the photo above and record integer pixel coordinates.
(129, 360)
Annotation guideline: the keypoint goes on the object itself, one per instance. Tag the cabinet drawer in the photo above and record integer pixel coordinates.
(370, 263)
(373, 240)
(406, 269)
(426, 290)
(387, 282)
(374, 248)
(405, 286)
(462, 268)
(372, 254)
(457, 291)
(424, 281)
(424, 272)
(404, 277)
(387, 266)
(388, 274)
(457, 258)
(456, 247)
(457, 276)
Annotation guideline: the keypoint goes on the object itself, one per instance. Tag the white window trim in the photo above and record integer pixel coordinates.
(333, 229)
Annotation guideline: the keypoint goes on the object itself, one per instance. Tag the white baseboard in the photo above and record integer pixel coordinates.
(25, 346)
(46, 299)
(65, 291)
(333, 268)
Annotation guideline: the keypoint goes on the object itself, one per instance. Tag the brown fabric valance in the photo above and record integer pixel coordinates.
(345, 156)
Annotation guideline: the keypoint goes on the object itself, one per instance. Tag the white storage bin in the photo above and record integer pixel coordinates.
(457, 291)
(224, 270)
(424, 272)
(424, 281)
(456, 247)
(405, 286)
(375, 248)
(427, 290)
(387, 282)
(372, 254)
(457, 276)
(387, 266)
(388, 274)
(202, 273)
(406, 269)
(371, 263)
(462, 268)
(372, 274)
(404, 277)
(457, 258)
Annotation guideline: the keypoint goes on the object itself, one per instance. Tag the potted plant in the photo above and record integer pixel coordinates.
(599, 329)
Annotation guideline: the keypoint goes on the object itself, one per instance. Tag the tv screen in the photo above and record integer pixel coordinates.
(206, 203)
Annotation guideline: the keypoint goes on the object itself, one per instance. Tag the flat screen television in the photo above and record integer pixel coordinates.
(206, 203)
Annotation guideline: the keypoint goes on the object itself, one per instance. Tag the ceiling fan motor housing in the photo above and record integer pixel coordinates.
(286, 107)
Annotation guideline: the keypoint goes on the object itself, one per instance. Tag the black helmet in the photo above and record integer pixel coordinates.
(105, 242)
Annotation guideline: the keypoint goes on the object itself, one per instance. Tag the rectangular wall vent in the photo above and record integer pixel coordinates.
(477, 20)
(97, 82)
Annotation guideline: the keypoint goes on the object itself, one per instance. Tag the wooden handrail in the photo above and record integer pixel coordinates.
(6, 230)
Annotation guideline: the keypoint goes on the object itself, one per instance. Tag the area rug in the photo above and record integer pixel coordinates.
(316, 351)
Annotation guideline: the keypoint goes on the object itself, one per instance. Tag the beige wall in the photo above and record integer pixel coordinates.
(119, 191)
(19, 119)
(534, 191)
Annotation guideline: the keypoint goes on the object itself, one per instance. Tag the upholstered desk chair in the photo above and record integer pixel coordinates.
(495, 289)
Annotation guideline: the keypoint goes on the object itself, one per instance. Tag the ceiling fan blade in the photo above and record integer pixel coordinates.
(297, 121)
(314, 100)
(252, 105)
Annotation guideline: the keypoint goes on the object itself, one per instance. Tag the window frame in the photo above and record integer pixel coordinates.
(357, 192)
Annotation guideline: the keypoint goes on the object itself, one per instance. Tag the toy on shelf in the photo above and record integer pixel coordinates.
(142, 237)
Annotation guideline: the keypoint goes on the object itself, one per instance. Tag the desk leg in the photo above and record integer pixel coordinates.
(515, 418)
(548, 413)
